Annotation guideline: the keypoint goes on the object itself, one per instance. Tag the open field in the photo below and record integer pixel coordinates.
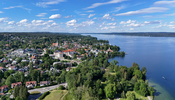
(55, 95)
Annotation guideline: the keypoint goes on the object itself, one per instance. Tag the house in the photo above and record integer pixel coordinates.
(24, 60)
(79, 57)
(21, 70)
(4, 88)
(31, 84)
(68, 69)
(3, 69)
(58, 54)
(12, 68)
(43, 83)
(68, 52)
(33, 57)
(55, 44)
(14, 62)
(8, 65)
(109, 50)
(26, 73)
(16, 84)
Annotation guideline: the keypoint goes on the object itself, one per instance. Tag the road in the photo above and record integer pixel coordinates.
(42, 90)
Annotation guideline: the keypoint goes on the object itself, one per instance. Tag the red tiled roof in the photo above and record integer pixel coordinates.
(12, 67)
(30, 82)
(3, 87)
(1, 67)
(69, 50)
(16, 84)
(32, 57)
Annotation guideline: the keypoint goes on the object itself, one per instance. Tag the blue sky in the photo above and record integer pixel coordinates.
(87, 16)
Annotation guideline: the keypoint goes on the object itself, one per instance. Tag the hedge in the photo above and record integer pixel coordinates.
(44, 95)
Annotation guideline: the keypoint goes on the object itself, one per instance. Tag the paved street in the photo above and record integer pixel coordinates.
(42, 90)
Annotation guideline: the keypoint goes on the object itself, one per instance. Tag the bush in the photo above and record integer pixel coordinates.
(44, 95)
(61, 87)
(35, 93)
(10, 91)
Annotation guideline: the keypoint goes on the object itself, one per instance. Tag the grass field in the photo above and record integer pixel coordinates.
(68, 96)
(55, 95)
(35, 93)
(138, 96)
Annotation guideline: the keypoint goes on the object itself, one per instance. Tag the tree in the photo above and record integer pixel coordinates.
(130, 95)
(110, 91)
(19, 60)
(9, 81)
(143, 89)
(74, 56)
(6, 74)
(151, 90)
(137, 86)
(123, 95)
(1, 75)
(16, 92)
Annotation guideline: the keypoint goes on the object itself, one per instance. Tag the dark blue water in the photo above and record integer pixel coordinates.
(157, 54)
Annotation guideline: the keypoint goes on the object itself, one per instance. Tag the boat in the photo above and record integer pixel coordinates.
(163, 77)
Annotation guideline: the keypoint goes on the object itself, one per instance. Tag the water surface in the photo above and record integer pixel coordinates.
(157, 54)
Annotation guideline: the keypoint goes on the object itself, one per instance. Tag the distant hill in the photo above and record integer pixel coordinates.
(150, 34)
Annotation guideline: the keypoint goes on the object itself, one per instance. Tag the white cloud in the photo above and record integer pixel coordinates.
(11, 7)
(54, 24)
(1, 12)
(152, 22)
(106, 28)
(122, 22)
(106, 16)
(131, 21)
(21, 6)
(11, 22)
(91, 15)
(68, 16)
(105, 3)
(172, 22)
(144, 11)
(90, 11)
(131, 29)
(41, 14)
(135, 25)
(111, 24)
(88, 22)
(37, 21)
(164, 2)
(56, 16)
(23, 21)
(3, 19)
(71, 23)
(119, 8)
(49, 2)
(128, 22)
(54, 9)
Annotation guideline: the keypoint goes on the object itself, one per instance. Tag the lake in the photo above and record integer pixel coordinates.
(157, 54)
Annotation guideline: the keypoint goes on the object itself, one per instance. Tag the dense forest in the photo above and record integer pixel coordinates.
(98, 79)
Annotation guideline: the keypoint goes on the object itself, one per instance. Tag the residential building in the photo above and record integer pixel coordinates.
(4, 88)
(43, 83)
(31, 84)
(79, 57)
(16, 84)
(12, 68)
(68, 69)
